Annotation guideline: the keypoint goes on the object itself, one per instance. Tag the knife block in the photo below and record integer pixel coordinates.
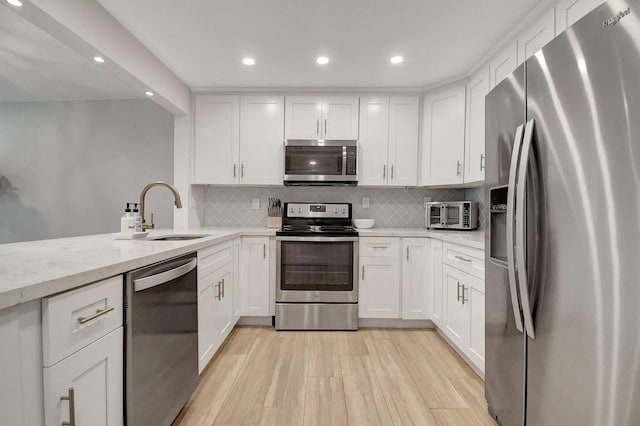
(274, 222)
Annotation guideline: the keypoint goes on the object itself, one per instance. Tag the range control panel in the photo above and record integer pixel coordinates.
(325, 210)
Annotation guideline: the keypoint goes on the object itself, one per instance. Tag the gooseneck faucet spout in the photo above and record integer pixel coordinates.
(171, 188)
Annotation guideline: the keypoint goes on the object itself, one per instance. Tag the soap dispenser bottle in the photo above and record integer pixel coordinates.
(126, 221)
(138, 218)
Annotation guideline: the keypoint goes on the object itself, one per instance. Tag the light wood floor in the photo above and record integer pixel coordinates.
(368, 377)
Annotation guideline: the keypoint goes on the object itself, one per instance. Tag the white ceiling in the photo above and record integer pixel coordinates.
(34, 66)
(203, 41)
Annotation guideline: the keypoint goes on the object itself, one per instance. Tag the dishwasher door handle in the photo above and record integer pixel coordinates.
(164, 277)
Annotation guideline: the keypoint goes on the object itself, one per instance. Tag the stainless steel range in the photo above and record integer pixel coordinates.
(317, 268)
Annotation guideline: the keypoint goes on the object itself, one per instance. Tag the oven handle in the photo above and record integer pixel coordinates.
(318, 239)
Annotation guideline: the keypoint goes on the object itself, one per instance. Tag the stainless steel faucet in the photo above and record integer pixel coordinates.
(176, 201)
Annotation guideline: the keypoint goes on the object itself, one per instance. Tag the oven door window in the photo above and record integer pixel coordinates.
(316, 160)
(317, 266)
(454, 216)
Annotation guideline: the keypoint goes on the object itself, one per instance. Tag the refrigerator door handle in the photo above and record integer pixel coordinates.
(520, 229)
(511, 199)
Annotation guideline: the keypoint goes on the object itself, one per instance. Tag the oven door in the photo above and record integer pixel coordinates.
(455, 214)
(317, 269)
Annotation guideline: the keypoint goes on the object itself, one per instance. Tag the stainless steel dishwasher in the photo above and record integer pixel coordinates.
(161, 315)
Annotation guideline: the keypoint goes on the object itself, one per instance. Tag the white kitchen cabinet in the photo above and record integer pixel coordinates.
(254, 277)
(379, 281)
(91, 382)
(568, 12)
(417, 302)
(464, 313)
(443, 137)
(215, 299)
(21, 386)
(239, 140)
(373, 146)
(536, 35)
(261, 140)
(503, 63)
(217, 139)
(474, 153)
(237, 245)
(435, 273)
(321, 117)
(388, 147)
(404, 118)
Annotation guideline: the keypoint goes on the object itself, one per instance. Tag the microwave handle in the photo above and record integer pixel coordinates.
(344, 159)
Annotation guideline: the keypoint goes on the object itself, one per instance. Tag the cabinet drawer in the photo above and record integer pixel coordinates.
(467, 259)
(388, 247)
(214, 257)
(72, 320)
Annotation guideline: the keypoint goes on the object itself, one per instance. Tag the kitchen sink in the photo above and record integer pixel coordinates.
(176, 237)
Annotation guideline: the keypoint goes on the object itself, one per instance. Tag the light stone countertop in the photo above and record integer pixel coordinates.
(35, 269)
(473, 239)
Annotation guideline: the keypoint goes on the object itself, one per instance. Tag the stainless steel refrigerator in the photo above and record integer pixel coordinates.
(562, 202)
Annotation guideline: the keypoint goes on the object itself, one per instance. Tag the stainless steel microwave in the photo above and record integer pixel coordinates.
(320, 162)
(452, 215)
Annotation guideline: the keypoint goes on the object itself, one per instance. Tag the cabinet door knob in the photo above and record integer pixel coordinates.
(325, 127)
(457, 168)
(72, 407)
(264, 251)
(482, 158)
(223, 287)
(234, 169)
(384, 171)
(464, 288)
(318, 127)
(407, 254)
(362, 272)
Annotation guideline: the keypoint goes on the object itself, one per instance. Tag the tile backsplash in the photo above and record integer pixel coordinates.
(390, 207)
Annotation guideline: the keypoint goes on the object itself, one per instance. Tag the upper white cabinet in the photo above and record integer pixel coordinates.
(474, 154)
(443, 137)
(404, 117)
(373, 147)
(536, 35)
(568, 12)
(238, 140)
(217, 139)
(326, 117)
(503, 63)
(417, 301)
(388, 145)
(261, 140)
(254, 277)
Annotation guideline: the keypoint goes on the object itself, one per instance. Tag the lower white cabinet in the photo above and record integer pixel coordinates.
(435, 273)
(417, 301)
(21, 365)
(379, 283)
(254, 277)
(87, 386)
(463, 319)
(237, 246)
(215, 299)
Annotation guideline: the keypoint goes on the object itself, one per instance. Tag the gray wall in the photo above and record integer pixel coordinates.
(68, 168)
(391, 207)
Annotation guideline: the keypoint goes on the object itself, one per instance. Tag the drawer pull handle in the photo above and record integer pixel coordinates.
(99, 313)
(72, 407)
(464, 259)
(223, 287)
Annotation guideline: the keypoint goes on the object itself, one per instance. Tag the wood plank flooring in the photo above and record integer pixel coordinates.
(369, 377)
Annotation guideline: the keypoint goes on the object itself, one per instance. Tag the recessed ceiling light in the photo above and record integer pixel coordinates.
(17, 3)
(148, 93)
(322, 60)
(249, 61)
(98, 59)
(397, 59)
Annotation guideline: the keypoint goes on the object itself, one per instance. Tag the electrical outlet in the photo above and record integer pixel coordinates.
(365, 203)
(426, 200)
(255, 203)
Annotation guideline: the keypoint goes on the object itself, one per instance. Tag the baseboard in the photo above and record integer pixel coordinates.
(268, 321)
(394, 323)
(462, 354)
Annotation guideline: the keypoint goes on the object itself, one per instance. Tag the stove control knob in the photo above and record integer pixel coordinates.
(344, 211)
(299, 210)
(335, 211)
